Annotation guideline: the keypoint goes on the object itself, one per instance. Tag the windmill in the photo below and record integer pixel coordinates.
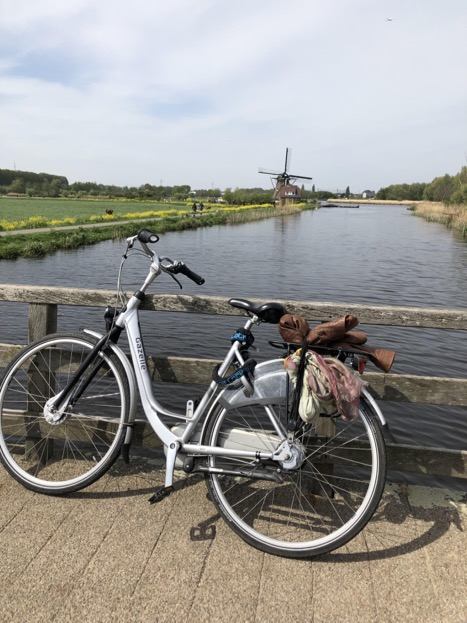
(286, 191)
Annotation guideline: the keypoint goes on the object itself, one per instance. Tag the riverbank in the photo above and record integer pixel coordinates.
(34, 243)
(452, 216)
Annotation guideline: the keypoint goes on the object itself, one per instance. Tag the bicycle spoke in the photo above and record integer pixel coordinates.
(57, 452)
(316, 505)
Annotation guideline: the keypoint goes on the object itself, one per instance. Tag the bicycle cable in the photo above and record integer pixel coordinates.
(121, 298)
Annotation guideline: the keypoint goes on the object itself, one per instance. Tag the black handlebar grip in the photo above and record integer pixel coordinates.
(146, 236)
(190, 274)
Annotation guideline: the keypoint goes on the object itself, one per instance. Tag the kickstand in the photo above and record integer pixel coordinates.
(160, 494)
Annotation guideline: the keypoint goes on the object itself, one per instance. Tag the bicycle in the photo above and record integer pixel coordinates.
(68, 408)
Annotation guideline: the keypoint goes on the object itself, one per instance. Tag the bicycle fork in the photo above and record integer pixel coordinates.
(55, 407)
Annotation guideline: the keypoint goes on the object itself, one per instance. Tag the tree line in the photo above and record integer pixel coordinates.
(25, 183)
(448, 189)
(34, 184)
(48, 185)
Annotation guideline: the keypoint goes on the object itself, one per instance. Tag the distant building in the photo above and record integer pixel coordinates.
(368, 194)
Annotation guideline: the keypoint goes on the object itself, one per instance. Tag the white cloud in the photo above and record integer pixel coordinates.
(203, 93)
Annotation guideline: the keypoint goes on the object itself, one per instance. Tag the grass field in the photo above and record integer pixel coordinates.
(38, 244)
(13, 209)
(22, 214)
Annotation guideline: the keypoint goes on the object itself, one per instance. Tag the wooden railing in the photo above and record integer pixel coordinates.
(43, 302)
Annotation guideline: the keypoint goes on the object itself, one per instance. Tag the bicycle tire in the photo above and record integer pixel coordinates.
(60, 457)
(316, 508)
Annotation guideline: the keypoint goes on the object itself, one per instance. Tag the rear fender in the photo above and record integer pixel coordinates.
(270, 388)
(374, 405)
(274, 371)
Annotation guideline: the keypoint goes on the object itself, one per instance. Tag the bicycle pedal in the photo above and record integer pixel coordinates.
(160, 494)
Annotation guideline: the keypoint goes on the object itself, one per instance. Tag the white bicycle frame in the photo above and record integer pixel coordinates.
(140, 381)
(154, 410)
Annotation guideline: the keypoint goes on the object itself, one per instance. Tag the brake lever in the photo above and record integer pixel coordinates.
(170, 268)
(175, 279)
(131, 241)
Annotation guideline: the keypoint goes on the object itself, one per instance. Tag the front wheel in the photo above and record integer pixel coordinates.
(56, 453)
(310, 505)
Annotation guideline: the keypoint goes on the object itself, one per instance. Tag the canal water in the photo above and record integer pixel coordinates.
(380, 255)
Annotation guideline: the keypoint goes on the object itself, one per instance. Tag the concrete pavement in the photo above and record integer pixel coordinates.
(105, 554)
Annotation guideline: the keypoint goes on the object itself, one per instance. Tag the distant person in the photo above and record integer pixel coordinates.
(201, 206)
(193, 209)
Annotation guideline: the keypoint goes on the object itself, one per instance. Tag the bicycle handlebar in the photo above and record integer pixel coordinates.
(180, 267)
(173, 267)
(146, 236)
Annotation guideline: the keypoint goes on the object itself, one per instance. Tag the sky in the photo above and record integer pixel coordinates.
(364, 93)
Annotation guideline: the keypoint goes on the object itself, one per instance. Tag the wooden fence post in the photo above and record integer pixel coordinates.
(42, 321)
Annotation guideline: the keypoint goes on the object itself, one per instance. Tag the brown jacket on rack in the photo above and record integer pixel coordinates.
(337, 333)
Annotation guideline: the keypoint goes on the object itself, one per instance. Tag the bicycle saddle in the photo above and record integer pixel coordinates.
(268, 312)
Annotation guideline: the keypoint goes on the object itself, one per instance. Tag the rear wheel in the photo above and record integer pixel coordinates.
(56, 453)
(313, 503)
